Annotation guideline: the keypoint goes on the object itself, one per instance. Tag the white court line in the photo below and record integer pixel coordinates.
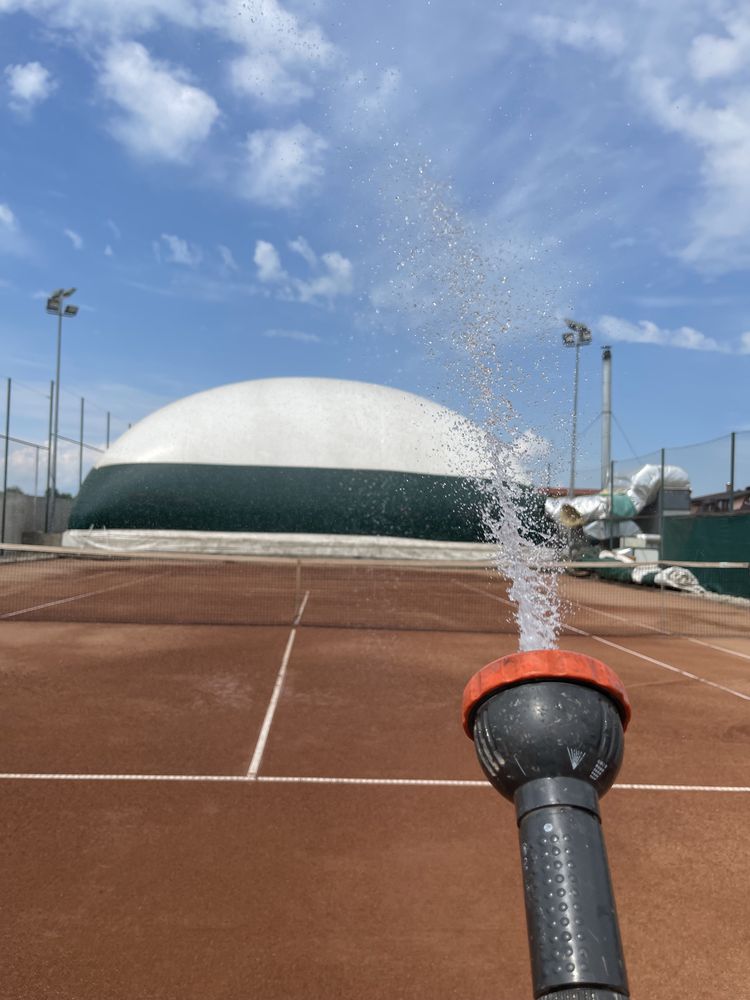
(295, 779)
(721, 649)
(307, 780)
(624, 649)
(21, 776)
(652, 628)
(260, 746)
(76, 597)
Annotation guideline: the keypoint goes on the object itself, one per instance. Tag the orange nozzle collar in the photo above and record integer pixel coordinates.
(542, 664)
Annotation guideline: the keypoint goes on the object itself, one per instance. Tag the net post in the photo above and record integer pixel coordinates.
(732, 456)
(5, 458)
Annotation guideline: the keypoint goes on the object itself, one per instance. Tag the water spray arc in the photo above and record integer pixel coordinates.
(548, 731)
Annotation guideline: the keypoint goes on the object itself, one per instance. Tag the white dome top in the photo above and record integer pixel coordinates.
(306, 423)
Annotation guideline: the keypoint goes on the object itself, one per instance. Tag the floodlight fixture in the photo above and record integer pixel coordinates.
(577, 335)
(71, 311)
(68, 293)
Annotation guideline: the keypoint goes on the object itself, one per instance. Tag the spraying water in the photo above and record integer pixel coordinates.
(460, 301)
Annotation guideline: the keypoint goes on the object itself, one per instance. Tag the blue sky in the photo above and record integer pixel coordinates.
(244, 190)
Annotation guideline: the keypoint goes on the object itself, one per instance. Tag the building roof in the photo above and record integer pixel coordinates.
(304, 423)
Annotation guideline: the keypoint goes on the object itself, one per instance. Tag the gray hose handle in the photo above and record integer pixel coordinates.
(553, 746)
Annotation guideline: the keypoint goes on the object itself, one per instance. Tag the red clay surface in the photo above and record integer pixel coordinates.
(355, 594)
(134, 699)
(210, 890)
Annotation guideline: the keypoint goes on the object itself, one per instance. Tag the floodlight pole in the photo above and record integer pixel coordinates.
(578, 336)
(55, 306)
(57, 416)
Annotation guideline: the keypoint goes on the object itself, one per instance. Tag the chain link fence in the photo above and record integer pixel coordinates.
(718, 471)
(85, 431)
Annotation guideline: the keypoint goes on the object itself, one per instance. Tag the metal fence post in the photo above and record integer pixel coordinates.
(611, 505)
(80, 447)
(36, 487)
(661, 542)
(5, 459)
(732, 455)
(47, 498)
(108, 422)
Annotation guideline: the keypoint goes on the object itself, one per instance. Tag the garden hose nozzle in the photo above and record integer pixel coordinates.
(548, 730)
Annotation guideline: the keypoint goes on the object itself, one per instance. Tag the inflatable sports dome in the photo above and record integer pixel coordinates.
(260, 463)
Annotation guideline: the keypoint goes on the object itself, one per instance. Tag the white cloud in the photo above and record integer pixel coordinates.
(29, 84)
(721, 132)
(266, 26)
(12, 240)
(7, 218)
(281, 164)
(303, 248)
(227, 257)
(377, 98)
(180, 251)
(333, 277)
(109, 18)
(267, 261)
(692, 83)
(716, 56)
(164, 116)
(337, 279)
(745, 343)
(581, 31)
(282, 54)
(646, 332)
(114, 228)
(298, 335)
(108, 251)
(527, 457)
(264, 78)
(75, 238)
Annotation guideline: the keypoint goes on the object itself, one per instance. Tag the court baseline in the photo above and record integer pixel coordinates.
(296, 779)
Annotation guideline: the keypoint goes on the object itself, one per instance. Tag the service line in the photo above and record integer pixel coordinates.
(652, 628)
(260, 746)
(79, 597)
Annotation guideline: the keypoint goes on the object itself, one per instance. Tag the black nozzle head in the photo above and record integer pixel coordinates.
(547, 714)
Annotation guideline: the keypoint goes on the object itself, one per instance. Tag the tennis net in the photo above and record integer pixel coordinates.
(46, 584)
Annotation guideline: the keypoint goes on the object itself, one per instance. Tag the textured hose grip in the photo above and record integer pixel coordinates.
(583, 993)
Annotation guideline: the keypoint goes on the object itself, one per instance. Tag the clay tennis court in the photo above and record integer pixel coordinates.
(290, 807)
